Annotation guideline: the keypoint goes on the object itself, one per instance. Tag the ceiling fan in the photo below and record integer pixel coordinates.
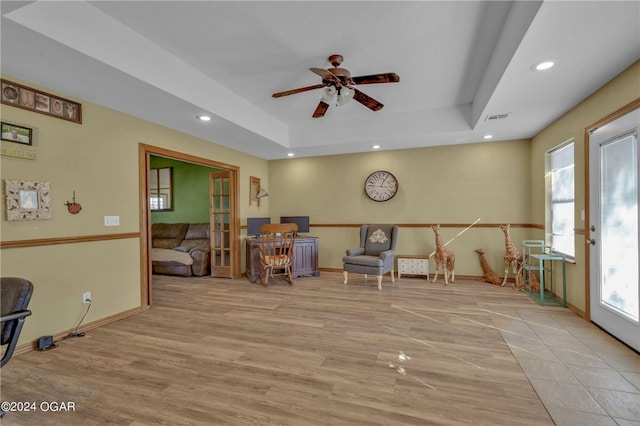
(338, 85)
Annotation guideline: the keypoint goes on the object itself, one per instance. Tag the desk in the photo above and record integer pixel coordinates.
(538, 257)
(305, 258)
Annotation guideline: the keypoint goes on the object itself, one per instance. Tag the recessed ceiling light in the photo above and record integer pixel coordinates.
(204, 118)
(291, 154)
(488, 136)
(543, 65)
(376, 147)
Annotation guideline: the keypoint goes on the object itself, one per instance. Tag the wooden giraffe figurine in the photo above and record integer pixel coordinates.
(519, 281)
(489, 276)
(444, 258)
(511, 255)
(532, 281)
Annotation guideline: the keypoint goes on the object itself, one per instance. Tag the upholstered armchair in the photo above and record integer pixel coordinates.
(376, 252)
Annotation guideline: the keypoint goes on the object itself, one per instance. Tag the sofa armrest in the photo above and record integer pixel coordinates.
(201, 262)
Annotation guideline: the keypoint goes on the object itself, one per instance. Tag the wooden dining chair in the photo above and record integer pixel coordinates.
(275, 246)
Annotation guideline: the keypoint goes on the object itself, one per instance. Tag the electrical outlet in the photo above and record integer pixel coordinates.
(86, 297)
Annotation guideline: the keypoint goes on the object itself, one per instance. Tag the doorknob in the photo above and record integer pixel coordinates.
(591, 241)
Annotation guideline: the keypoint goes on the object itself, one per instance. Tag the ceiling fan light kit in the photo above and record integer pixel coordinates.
(337, 97)
(339, 87)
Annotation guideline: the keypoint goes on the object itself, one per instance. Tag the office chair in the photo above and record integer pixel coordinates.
(15, 294)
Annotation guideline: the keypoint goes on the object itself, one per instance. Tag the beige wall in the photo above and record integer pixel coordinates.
(445, 185)
(619, 92)
(498, 182)
(501, 182)
(97, 159)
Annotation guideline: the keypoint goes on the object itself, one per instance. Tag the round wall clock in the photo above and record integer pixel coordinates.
(381, 186)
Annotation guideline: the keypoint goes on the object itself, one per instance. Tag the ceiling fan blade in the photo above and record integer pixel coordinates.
(320, 109)
(323, 73)
(366, 100)
(389, 77)
(294, 91)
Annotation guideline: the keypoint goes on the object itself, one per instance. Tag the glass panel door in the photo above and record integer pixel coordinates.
(221, 225)
(613, 239)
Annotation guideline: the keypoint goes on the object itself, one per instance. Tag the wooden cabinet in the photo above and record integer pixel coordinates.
(305, 258)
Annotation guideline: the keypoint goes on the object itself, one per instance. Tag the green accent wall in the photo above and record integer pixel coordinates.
(190, 192)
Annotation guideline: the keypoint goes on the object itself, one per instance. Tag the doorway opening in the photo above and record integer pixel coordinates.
(145, 153)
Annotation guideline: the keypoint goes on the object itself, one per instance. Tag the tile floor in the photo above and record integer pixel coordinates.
(582, 374)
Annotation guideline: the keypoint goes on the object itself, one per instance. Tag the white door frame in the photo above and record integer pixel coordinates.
(609, 127)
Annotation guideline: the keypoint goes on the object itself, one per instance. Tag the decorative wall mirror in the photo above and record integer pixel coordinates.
(27, 200)
(161, 189)
(254, 189)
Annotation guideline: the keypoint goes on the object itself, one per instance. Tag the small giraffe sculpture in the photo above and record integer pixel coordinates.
(519, 281)
(511, 255)
(444, 258)
(532, 281)
(489, 276)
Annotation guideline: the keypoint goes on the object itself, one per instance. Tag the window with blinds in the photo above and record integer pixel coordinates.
(562, 199)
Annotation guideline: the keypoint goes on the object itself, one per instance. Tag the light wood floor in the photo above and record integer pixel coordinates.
(228, 352)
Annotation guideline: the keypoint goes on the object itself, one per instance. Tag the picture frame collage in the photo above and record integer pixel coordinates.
(24, 97)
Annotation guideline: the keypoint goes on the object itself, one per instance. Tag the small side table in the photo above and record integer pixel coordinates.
(538, 257)
(413, 265)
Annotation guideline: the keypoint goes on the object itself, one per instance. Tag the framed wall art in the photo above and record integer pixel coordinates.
(16, 134)
(256, 191)
(27, 200)
(254, 188)
(24, 97)
(18, 140)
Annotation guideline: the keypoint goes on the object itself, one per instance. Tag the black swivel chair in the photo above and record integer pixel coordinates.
(15, 294)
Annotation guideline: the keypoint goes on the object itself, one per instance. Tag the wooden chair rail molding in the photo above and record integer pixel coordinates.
(426, 225)
(105, 237)
(577, 231)
(66, 240)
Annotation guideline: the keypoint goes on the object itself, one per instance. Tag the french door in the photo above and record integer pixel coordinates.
(222, 224)
(613, 233)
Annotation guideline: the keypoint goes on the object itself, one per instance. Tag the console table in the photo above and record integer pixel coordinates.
(305, 258)
(413, 265)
